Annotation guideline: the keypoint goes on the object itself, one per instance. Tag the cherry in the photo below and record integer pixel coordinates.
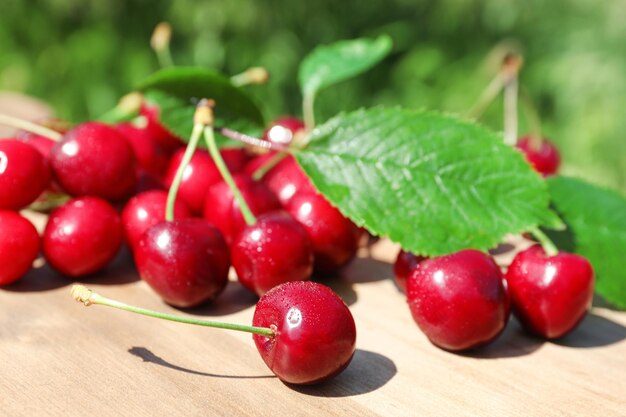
(19, 246)
(274, 250)
(405, 263)
(150, 156)
(542, 155)
(24, 174)
(156, 131)
(145, 210)
(282, 131)
(82, 236)
(43, 144)
(315, 332)
(236, 159)
(185, 261)
(550, 294)
(335, 238)
(460, 300)
(94, 159)
(222, 209)
(287, 178)
(198, 176)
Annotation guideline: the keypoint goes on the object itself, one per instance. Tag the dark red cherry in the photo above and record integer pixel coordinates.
(94, 159)
(145, 210)
(460, 300)
(19, 246)
(550, 294)
(150, 156)
(157, 131)
(405, 263)
(315, 332)
(545, 159)
(275, 250)
(335, 238)
(283, 130)
(24, 174)
(82, 236)
(185, 261)
(222, 210)
(235, 158)
(287, 178)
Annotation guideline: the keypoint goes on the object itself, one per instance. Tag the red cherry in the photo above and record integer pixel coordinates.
(185, 261)
(283, 130)
(156, 131)
(545, 160)
(222, 210)
(94, 159)
(41, 143)
(315, 332)
(144, 211)
(287, 178)
(235, 158)
(335, 238)
(459, 301)
(19, 246)
(24, 174)
(198, 176)
(550, 294)
(150, 156)
(405, 263)
(276, 249)
(82, 236)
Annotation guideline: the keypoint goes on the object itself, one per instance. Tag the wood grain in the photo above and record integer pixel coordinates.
(59, 358)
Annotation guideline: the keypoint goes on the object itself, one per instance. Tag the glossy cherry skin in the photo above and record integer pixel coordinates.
(460, 300)
(150, 156)
(94, 159)
(24, 174)
(315, 332)
(198, 176)
(41, 143)
(545, 160)
(405, 263)
(550, 294)
(144, 211)
(222, 210)
(275, 250)
(335, 238)
(19, 246)
(286, 179)
(82, 236)
(185, 261)
(156, 131)
(283, 130)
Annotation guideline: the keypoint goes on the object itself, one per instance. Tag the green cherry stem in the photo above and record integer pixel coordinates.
(308, 111)
(209, 137)
(486, 97)
(31, 127)
(548, 246)
(510, 70)
(191, 148)
(160, 42)
(251, 76)
(260, 172)
(88, 297)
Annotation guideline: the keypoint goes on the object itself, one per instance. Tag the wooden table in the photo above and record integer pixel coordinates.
(58, 358)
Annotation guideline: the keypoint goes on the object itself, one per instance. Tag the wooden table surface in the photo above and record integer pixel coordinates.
(59, 358)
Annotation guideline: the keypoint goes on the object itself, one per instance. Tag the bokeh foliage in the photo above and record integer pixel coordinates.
(81, 55)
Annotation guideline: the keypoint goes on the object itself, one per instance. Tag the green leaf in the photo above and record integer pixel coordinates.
(330, 64)
(596, 218)
(433, 183)
(177, 90)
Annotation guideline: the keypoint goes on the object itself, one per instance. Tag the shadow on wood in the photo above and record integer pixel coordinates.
(367, 372)
(512, 343)
(235, 298)
(594, 331)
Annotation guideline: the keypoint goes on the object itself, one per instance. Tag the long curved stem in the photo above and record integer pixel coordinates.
(87, 297)
(260, 172)
(486, 97)
(18, 123)
(548, 246)
(510, 111)
(308, 111)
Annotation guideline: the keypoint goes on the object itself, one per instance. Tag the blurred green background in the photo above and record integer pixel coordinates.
(82, 55)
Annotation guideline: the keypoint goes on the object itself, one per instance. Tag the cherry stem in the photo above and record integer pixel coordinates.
(510, 111)
(31, 127)
(173, 191)
(249, 140)
(209, 137)
(308, 111)
(160, 42)
(486, 97)
(260, 172)
(251, 76)
(548, 246)
(534, 122)
(88, 297)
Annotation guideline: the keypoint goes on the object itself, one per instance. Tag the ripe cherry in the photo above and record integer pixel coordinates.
(19, 246)
(156, 131)
(185, 261)
(274, 250)
(82, 236)
(335, 238)
(286, 179)
(150, 156)
(24, 174)
(550, 294)
(145, 210)
(283, 130)
(315, 332)
(459, 301)
(222, 210)
(405, 263)
(94, 159)
(542, 155)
